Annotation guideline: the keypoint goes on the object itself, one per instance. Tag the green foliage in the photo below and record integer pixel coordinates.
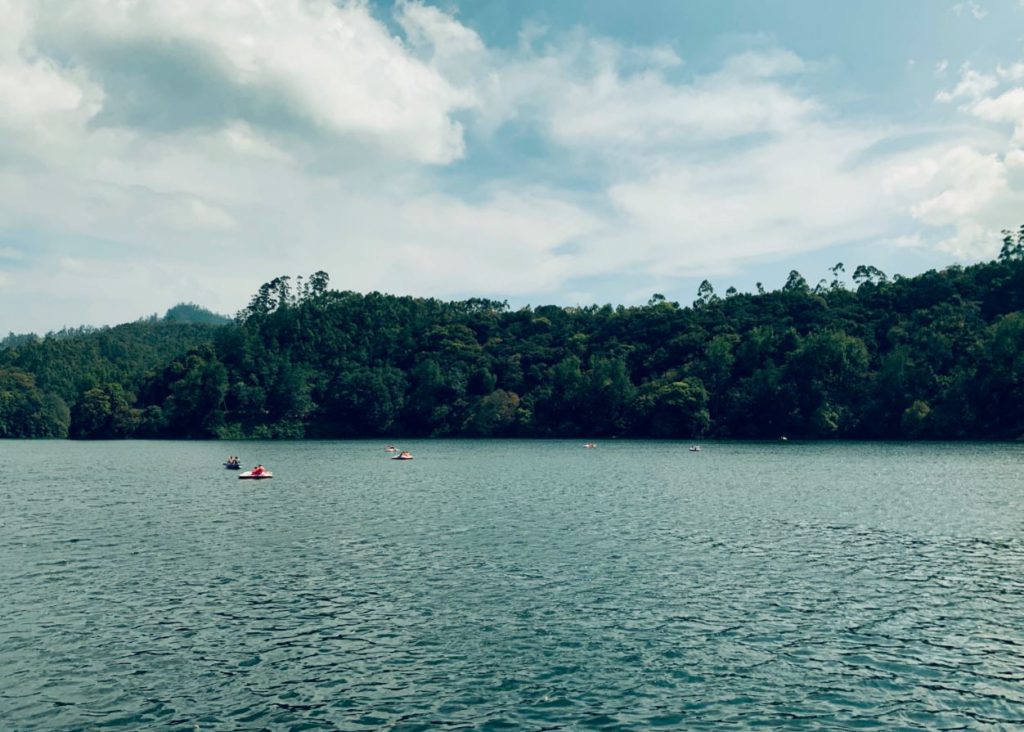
(105, 412)
(1013, 246)
(27, 412)
(667, 408)
(915, 419)
(188, 312)
(796, 284)
(940, 355)
(494, 415)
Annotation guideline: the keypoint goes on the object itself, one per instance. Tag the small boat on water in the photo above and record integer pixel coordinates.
(403, 455)
(233, 464)
(590, 444)
(257, 473)
(390, 448)
(695, 448)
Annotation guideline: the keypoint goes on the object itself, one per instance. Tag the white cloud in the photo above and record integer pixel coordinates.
(1007, 107)
(961, 183)
(645, 110)
(974, 187)
(905, 241)
(962, 189)
(972, 85)
(241, 138)
(438, 243)
(1013, 72)
(764, 64)
(44, 102)
(797, 193)
(971, 7)
(585, 95)
(319, 66)
(430, 29)
(971, 185)
(195, 150)
(940, 67)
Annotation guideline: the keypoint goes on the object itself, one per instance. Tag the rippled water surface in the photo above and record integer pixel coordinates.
(511, 585)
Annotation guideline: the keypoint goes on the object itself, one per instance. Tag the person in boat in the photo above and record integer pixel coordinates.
(258, 470)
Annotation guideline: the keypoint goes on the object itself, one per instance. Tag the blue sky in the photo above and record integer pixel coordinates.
(535, 151)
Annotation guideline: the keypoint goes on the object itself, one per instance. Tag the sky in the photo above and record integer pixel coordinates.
(538, 152)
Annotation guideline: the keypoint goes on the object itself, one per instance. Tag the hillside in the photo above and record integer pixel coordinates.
(940, 355)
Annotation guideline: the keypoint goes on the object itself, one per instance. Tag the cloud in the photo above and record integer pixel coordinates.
(300, 66)
(800, 192)
(711, 173)
(959, 184)
(595, 96)
(972, 85)
(1007, 107)
(193, 150)
(1013, 72)
(429, 29)
(45, 103)
(973, 187)
(970, 7)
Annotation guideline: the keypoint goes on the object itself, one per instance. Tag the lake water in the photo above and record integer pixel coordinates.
(511, 585)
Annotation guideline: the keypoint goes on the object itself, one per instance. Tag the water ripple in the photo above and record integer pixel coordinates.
(533, 587)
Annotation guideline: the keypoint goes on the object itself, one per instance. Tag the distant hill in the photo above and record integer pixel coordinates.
(189, 312)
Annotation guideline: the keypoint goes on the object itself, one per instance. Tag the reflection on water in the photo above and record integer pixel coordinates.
(511, 585)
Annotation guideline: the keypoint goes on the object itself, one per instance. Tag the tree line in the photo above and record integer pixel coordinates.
(939, 355)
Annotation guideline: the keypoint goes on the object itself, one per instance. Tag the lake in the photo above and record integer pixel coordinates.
(511, 585)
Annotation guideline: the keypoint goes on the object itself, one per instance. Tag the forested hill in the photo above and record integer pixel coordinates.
(940, 355)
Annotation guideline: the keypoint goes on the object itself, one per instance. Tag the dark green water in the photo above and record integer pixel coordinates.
(511, 585)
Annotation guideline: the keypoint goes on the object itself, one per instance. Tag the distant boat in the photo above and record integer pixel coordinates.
(390, 448)
(259, 473)
(695, 448)
(403, 455)
(233, 465)
(590, 444)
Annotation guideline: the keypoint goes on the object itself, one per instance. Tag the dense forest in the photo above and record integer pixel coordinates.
(940, 355)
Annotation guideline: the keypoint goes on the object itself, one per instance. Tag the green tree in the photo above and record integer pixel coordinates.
(25, 411)
(673, 408)
(1013, 246)
(104, 412)
(914, 422)
(495, 415)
